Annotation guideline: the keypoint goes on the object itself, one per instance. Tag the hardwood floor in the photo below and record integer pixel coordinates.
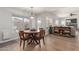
(52, 43)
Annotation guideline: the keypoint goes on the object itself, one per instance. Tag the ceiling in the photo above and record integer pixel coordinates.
(60, 11)
(50, 9)
(40, 9)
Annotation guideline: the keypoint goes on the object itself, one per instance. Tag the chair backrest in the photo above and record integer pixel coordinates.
(21, 35)
(33, 29)
(56, 28)
(67, 29)
(27, 28)
(42, 32)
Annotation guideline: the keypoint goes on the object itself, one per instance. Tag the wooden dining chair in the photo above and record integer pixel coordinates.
(27, 28)
(40, 36)
(33, 29)
(23, 38)
(67, 30)
(56, 30)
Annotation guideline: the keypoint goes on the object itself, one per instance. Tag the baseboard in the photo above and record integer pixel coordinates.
(4, 41)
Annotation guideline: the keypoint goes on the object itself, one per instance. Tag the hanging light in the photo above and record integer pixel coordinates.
(39, 21)
(32, 16)
(26, 20)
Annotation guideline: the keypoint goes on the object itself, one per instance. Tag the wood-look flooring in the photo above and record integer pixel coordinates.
(52, 43)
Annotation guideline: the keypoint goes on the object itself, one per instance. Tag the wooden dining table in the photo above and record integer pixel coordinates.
(32, 35)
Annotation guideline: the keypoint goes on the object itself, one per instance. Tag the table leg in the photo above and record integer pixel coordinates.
(33, 39)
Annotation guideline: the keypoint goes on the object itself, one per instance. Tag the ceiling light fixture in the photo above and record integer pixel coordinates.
(32, 15)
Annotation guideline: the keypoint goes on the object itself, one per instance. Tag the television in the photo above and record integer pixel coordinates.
(71, 22)
(74, 20)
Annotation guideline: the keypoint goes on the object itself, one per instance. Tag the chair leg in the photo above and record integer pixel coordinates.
(27, 41)
(20, 42)
(43, 41)
(23, 44)
(39, 44)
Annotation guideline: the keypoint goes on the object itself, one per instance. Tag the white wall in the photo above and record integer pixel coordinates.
(62, 21)
(46, 19)
(6, 25)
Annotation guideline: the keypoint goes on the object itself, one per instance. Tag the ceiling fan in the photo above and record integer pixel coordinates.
(72, 14)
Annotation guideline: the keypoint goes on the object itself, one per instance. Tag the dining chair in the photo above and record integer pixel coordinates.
(67, 30)
(56, 30)
(40, 36)
(27, 28)
(33, 29)
(23, 38)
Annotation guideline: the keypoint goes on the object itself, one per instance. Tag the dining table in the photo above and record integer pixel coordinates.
(32, 34)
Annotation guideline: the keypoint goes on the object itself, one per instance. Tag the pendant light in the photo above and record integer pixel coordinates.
(32, 15)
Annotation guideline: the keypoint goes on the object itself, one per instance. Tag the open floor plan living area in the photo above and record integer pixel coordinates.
(39, 28)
